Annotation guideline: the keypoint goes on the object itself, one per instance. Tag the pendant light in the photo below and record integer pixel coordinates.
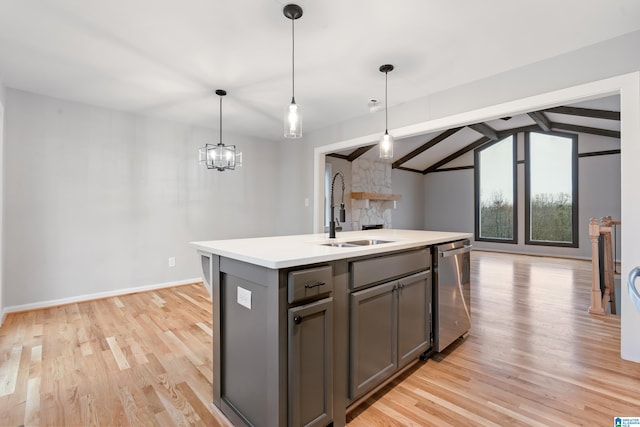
(386, 141)
(292, 112)
(220, 156)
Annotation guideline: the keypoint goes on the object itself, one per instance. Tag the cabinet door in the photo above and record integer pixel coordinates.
(414, 316)
(372, 339)
(311, 364)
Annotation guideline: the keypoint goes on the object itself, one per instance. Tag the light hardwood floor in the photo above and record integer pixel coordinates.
(533, 357)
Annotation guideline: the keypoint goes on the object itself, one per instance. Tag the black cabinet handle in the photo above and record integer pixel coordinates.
(297, 320)
(314, 284)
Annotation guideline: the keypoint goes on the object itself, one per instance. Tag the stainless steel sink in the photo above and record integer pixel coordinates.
(369, 242)
(340, 245)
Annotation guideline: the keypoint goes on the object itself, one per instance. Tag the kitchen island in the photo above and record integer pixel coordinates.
(304, 327)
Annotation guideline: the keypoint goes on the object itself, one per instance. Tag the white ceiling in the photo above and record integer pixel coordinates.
(164, 58)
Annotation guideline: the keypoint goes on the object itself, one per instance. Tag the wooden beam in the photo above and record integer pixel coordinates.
(457, 154)
(338, 156)
(457, 168)
(508, 132)
(359, 152)
(486, 130)
(541, 120)
(401, 168)
(444, 135)
(586, 112)
(586, 129)
(599, 153)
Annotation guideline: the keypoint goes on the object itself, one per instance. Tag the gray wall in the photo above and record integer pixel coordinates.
(410, 210)
(607, 59)
(450, 198)
(97, 200)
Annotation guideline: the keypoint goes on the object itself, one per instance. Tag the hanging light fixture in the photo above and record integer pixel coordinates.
(220, 156)
(386, 141)
(292, 112)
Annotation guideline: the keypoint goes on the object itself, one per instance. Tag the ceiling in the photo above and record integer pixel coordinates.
(165, 58)
(443, 150)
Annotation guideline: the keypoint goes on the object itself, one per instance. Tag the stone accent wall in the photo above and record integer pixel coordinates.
(370, 177)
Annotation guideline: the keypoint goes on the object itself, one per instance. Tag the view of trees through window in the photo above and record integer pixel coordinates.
(550, 183)
(495, 219)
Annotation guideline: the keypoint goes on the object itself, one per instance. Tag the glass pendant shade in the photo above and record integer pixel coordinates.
(292, 120)
(386, 146)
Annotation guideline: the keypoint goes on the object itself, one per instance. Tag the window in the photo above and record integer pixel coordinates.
(495, 192)
(551, 189)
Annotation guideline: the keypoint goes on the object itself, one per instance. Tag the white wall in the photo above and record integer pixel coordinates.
(450, 198)
(97, 200)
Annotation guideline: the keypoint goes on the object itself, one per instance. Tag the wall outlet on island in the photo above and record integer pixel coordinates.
(172, 261)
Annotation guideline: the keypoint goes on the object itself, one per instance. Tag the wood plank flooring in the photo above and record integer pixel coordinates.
(140, 360)
(533, 357)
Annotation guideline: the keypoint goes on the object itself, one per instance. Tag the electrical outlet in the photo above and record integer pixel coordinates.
(244, 297)
(306, 202)
(172, 261)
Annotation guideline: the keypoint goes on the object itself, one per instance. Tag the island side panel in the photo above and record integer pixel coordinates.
(252, 375)
(215, 325)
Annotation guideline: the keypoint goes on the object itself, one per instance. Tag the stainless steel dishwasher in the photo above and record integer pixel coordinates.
(452, 292)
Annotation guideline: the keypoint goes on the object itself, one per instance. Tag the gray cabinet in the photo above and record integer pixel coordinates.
(372, 337)
(390, 326)
(310, 352)
(414, 316)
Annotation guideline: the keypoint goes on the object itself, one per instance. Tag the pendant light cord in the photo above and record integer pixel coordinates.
(386, 120)
(221, 120)
(293, 62)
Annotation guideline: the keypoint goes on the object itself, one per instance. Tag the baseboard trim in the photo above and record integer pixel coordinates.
(98, 295)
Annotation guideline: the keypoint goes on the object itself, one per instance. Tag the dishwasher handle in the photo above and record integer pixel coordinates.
(458, 251)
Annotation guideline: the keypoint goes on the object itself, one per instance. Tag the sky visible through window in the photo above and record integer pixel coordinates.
(549, 169)
(550, 157)
(496, 172)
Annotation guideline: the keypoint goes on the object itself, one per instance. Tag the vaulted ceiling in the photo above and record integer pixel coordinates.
(166, 58)
(439, 151)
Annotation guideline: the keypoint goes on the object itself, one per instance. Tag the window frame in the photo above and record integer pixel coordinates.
(574, 191)
(476, 192)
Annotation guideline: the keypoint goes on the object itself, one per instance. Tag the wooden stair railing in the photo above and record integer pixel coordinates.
(602, 293)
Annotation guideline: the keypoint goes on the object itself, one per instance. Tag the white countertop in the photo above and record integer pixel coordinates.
(289, 251)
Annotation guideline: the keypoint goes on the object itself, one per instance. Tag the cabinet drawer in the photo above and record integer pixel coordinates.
(376, 270)
(309, 283)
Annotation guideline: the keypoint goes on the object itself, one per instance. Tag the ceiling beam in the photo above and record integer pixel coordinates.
(508, 132)
(444, 135)
(486, 130)
(586, 112)
(457, 154)
(400, 168)
(359, 152)
(541, 120)
(586, 129)
(338, 156)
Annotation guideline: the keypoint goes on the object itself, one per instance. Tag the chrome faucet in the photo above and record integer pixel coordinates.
(332, 223)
